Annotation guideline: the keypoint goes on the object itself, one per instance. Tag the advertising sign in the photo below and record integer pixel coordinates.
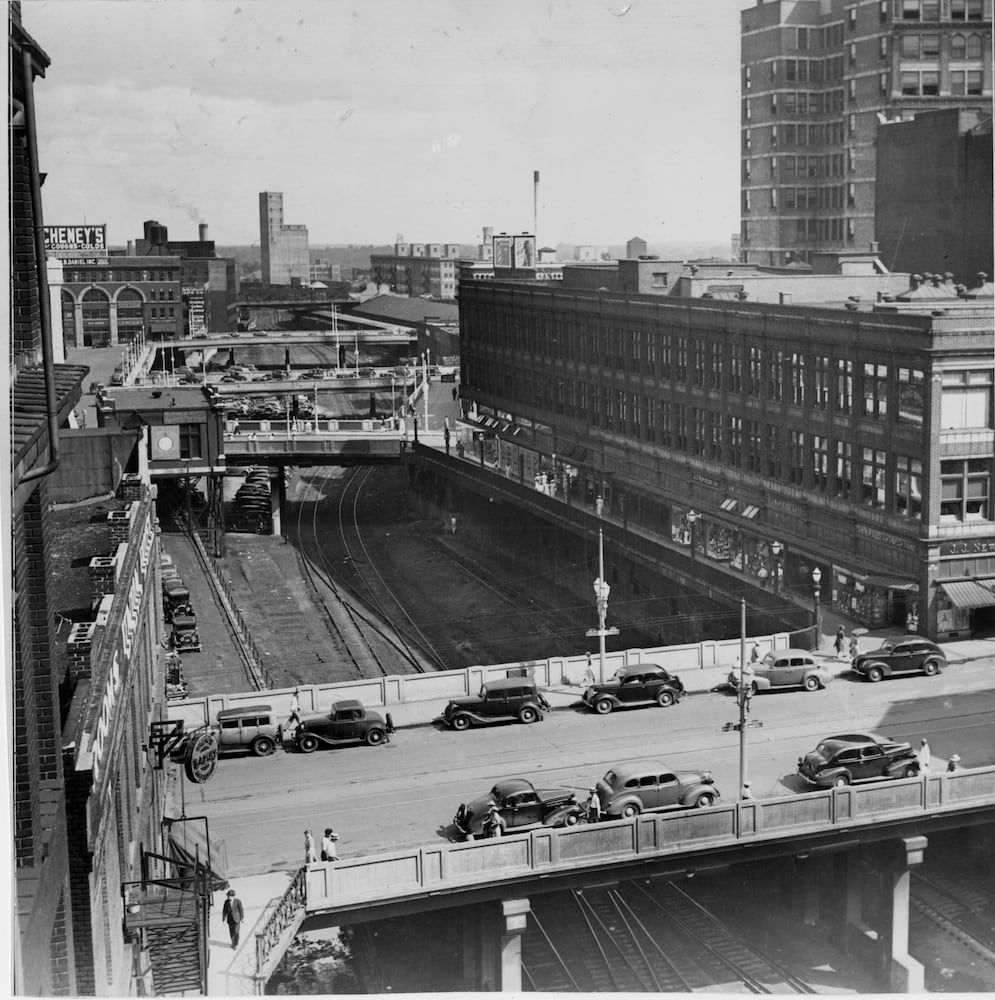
(201, 758)
(502, 251)
(525, 251)
(76, 238)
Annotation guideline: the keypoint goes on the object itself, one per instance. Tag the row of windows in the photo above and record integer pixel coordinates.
(928, 46)
(126, 274)
(789, 199)
(927, 83)
(929, 10)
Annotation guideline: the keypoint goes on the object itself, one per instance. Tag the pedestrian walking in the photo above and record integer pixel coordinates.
(460, 450)
(328, 850)
(294, 720)
(593, 806)
(589, 672)
(840, 643)
(455, 393)
(446, 436)
(310, 851)
(924, 756)
(599, 505)
(445, 423)
(233, 914)
(493, 823)
(854, 646)
(953, 762)
(452, 523)
(755, 654)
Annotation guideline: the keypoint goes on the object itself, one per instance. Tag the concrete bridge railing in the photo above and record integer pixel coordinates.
(437, 870)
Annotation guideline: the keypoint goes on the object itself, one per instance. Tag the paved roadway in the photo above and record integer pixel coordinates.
(406, 792)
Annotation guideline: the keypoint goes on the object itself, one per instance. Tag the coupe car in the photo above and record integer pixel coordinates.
(642, 684)
(521, 806)
(638, 786)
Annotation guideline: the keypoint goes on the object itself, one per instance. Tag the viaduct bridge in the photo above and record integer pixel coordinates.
(491, 881)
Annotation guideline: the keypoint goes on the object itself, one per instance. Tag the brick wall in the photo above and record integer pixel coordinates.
(25, 316)
(78, 788)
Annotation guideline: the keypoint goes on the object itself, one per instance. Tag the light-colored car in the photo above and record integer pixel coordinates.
(638, 786)
(783, 668)
(251, 727)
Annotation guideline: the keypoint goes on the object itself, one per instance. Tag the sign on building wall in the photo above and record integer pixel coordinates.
(196, 310)
(502, 251)
(525, 251)
(76, 238)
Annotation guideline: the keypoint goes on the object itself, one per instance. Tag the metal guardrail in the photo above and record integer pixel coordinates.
(289, 910)
(355, 882)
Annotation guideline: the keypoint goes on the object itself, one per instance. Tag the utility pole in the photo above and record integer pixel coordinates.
(744, 693)
(601, 592)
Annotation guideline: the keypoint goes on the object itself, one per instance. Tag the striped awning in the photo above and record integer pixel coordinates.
(970, 593)
(891, 582)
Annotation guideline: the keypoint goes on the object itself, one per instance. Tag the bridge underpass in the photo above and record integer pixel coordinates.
(866, 840)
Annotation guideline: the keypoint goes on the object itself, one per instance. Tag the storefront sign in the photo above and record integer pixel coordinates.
(79, 238)
(699, 478)
(791, 508)
(201, 759)
(893, 541)
(967, 548)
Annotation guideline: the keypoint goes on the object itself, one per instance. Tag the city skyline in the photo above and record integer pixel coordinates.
(630, 112)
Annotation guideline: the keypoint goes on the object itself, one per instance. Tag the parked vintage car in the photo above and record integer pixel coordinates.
(901, 656)
(250, 727)
(498, 701)
(186, 638)
(854, 757)
(781, 669)
(521, 806)
(346, 722)
(643, 684)
(175, 598)
(637, 786)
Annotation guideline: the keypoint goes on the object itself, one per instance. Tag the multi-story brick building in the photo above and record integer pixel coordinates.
(121, 298)
(859, 438)
(818, 79)
(934, 193)
(283, 248)
(416, 269)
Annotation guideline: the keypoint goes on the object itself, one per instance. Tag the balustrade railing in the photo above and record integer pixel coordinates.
(286, 912)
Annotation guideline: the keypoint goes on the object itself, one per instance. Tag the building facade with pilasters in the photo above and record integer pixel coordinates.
(774, 439)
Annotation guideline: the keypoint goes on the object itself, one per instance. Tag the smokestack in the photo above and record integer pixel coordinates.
(535, 206)
(131, 248)
(203, 232)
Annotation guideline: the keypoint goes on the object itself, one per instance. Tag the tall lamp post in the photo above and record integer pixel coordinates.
(692, 516)
(744, 693)
(601, 591)
(776, 548)
(816, 579)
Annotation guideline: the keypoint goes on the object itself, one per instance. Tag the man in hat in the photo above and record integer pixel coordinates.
(493, 822)
(923, 756)
(593, 806)
(233, 914)
(953, 762)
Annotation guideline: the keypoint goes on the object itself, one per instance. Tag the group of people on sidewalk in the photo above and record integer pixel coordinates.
(328, 849)
(840, 644)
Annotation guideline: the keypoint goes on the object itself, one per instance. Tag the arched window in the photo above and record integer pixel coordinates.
(974, 46)
(96, 318)
(130, 316)
(958, 46)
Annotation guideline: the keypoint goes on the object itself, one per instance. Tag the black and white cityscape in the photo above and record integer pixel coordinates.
(593, 593)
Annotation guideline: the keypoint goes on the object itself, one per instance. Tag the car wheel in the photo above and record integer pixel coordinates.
(572, 819)
(461, 722)
(630, 810)
(753, 688)
(912, 771)
(812, 684)
(262, 746)
(603, 707)
(841, 781)
(665, 699)
(704, 800)
(528, 715)
(375, 737)
(930, 667)
(308, 743)
(875, 674)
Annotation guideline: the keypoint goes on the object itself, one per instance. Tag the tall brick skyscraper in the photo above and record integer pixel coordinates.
(818, 77)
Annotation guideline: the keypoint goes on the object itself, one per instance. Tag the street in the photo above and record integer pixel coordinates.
(406, 792)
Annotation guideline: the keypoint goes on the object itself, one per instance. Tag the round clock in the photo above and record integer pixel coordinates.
(165, 443)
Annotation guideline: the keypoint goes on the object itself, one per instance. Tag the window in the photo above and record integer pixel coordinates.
(965, 490)
(190, 441)
(789, 198)
(773, 449)
(910, 46)
(930, 46)
(958, 47)
(798, 379)
(974, 82)
(734, 441)
(958, 10)
(844, 386)
(775, 375)
(715, 365)
(796, 457)
(698, 432)
(715, 437)
(735, 368)
(773, 198)
(753, 452)
(974, 10)
(883, 84)
(773, 135)
(974, 47)
(910, 84)
(820, 462)
(872, 478)
(755, 384)
(698, 362)
(931, 84)
(908, 487)
(660, 279)
(958, 83)
(853, 54)
(910, 10)
(844, 469)
(875, 390)
(852, 18)
(821, 383)
(911, 399)
(967, 400)
(883, 47)
(802, 40)
(746, 201)
(747, 78)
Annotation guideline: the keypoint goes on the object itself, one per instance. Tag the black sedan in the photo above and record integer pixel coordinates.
(641, 684)
(901, 656)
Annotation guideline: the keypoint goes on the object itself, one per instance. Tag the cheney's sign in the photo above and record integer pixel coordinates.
(76, 238)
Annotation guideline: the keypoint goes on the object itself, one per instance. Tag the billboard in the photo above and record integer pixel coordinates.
(525, 251)
(502, 251)
(77, 238)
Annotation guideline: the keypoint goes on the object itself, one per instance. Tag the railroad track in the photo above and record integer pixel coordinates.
(963, 911)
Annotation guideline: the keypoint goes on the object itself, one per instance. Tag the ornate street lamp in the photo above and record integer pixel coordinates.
(776, 548)
(816, 579)
(692, 518)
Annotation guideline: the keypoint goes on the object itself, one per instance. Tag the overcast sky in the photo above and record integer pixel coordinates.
(378, 117)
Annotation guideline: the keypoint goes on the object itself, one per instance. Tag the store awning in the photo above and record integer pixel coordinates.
(891, 582)
(187, 840)
(970, 593)
(729, 504)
